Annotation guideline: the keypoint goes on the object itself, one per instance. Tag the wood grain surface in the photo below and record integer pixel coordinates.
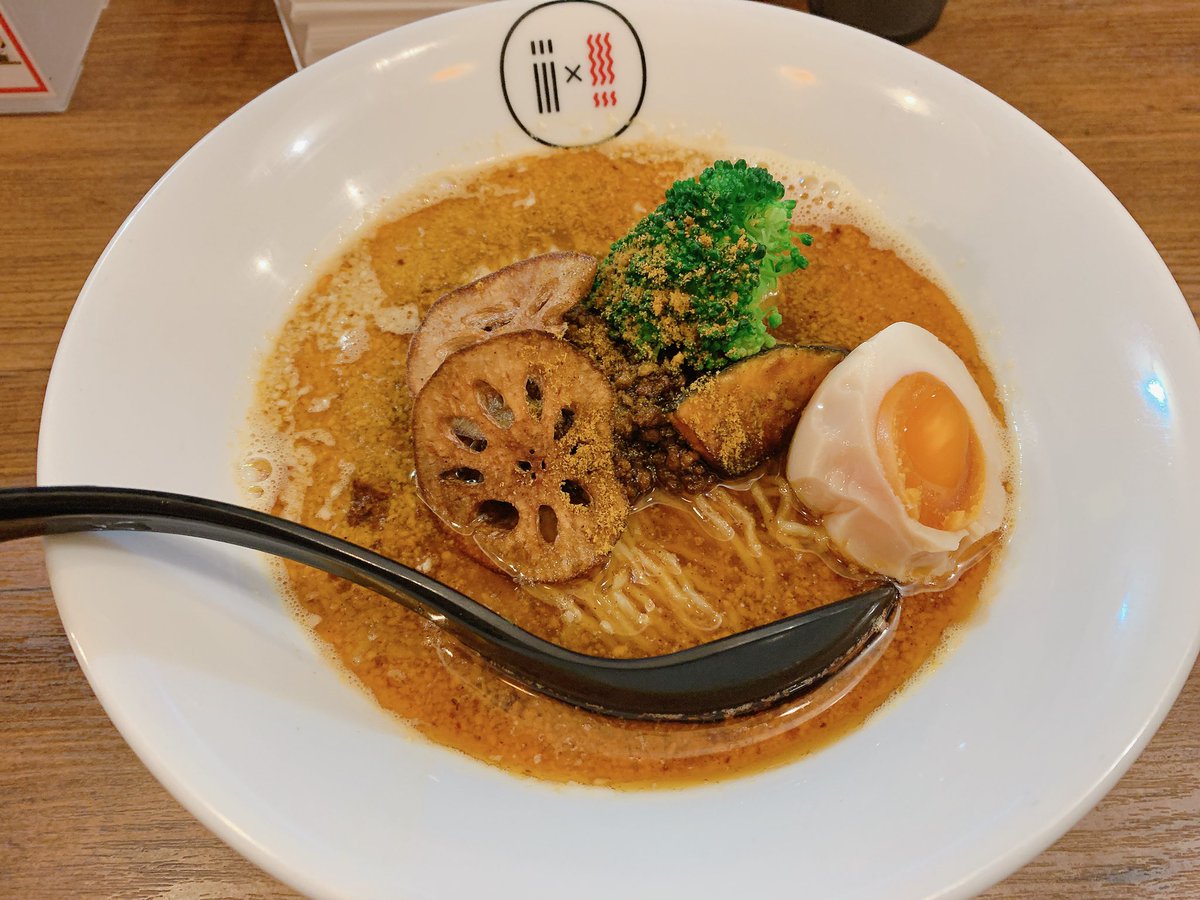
(1117, 82)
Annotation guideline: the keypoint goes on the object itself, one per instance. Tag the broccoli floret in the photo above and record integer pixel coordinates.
(686, 285)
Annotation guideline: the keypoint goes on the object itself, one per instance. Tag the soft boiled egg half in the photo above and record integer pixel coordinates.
(900, 455)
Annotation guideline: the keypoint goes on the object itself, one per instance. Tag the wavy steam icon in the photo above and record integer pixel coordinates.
(600, 66)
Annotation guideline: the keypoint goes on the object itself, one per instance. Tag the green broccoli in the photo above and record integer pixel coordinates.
(685, 286)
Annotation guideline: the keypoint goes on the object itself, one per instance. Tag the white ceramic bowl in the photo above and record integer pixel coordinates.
(1032, 717)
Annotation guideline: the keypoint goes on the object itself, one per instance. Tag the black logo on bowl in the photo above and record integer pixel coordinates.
(573, 73)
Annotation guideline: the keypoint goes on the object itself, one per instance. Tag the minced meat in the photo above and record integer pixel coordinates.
(649, 451)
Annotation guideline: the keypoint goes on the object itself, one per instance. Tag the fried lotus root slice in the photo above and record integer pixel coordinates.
(531, 295)
(741, 415)
(514, 450)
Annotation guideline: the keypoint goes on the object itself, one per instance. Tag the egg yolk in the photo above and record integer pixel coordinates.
(930, 452)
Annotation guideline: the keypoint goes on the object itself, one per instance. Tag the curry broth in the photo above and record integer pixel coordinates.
(335, 453)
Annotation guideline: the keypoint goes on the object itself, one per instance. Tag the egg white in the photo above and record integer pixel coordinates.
(834, 464)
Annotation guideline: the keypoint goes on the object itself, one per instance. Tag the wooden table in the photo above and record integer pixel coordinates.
(1117, 81)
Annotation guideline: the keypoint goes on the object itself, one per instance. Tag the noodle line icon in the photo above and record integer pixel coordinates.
(545, 76)
(600, 67)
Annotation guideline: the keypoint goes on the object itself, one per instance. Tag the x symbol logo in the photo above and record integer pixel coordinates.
(573, 73)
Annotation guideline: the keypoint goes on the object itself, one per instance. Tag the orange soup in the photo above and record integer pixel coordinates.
(334, 451)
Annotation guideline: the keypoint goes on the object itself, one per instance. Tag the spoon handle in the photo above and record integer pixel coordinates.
(27, 512)
(733, 675)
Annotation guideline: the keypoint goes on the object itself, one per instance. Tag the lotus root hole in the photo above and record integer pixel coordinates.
(498, 514)
(548, 524)
(566, 419)
(469, 434)
(576, 493)
(496, 320)
(491, 401)
(464, 474)
(533, 397)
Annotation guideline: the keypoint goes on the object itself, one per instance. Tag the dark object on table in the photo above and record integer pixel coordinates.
(902, 21)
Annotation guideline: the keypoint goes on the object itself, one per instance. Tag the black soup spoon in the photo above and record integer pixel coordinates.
(736, 675)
